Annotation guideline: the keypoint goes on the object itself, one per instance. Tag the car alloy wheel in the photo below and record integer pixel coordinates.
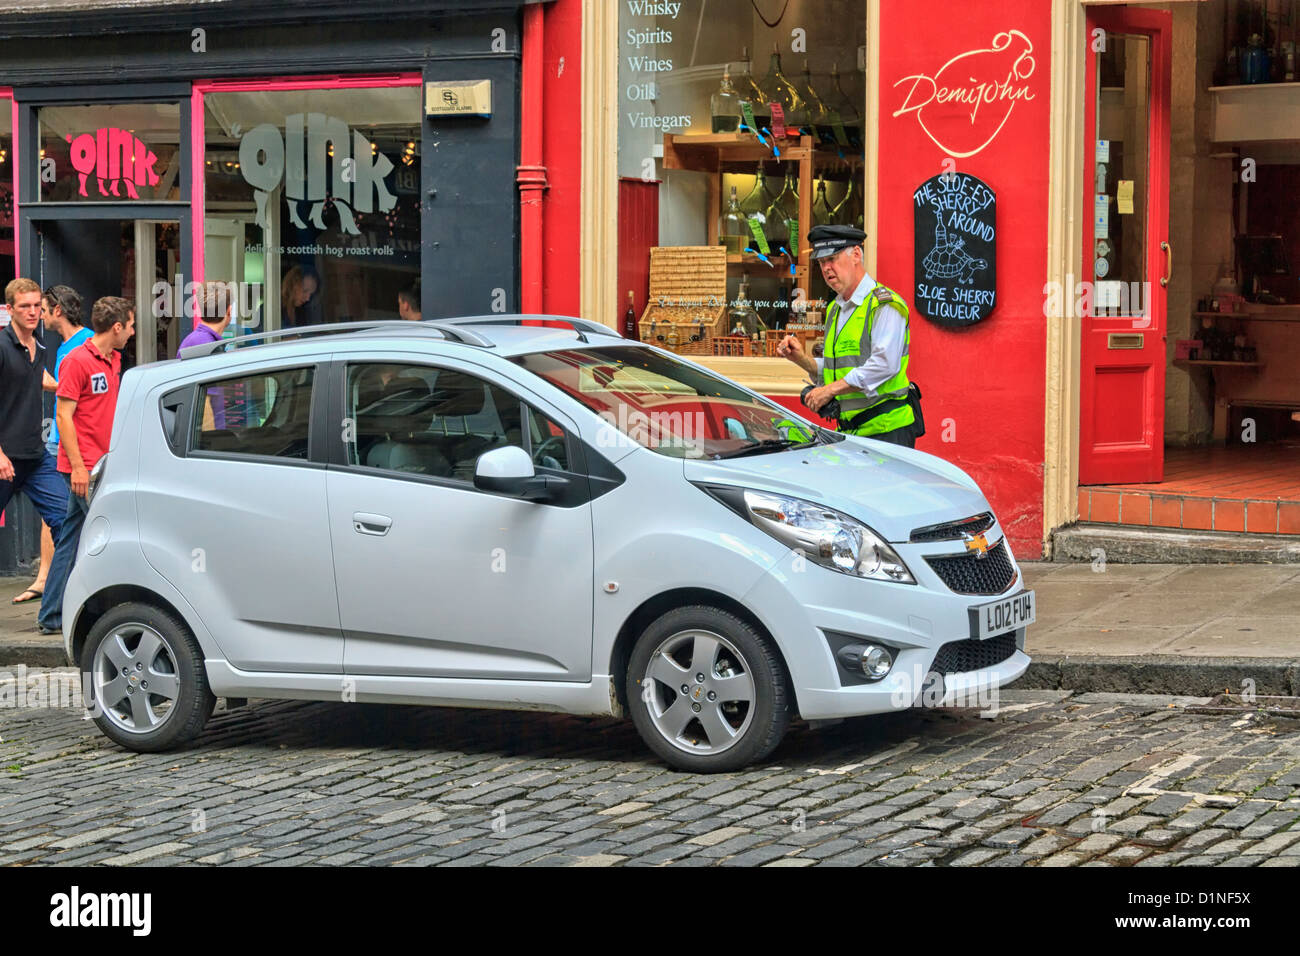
(135, 678)
(699, 691)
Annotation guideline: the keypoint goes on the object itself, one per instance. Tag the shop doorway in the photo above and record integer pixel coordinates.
(1126, 250)
(137, 259)
(1190, 405)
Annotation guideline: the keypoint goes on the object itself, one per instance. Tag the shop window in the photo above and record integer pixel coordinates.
(8, 157)
(746, 125)
(311, 202)
(120, 152)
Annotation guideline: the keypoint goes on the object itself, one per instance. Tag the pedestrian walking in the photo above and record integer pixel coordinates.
(87, 399)
(25, 464)
(61, 316)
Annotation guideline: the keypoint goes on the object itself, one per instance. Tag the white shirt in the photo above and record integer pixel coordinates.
(886, 341)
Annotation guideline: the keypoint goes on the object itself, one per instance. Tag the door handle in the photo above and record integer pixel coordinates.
(1169, 263)
(378, 525)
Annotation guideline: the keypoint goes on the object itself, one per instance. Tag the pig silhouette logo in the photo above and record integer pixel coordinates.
(354, 181)
(114, 155)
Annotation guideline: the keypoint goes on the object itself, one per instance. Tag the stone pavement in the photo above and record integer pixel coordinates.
(1053, 779)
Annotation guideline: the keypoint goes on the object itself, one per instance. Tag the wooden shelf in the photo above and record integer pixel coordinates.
(1259, 313)
(709, 152)
(1221, 363)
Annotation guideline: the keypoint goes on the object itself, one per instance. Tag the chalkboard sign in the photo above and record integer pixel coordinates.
(956, 249)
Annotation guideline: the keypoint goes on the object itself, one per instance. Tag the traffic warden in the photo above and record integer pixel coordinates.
(863, 370)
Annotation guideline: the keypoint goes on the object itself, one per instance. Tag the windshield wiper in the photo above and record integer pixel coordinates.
(766, 445)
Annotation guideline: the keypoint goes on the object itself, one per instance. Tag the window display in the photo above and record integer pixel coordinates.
(311, 194)
(744, 155)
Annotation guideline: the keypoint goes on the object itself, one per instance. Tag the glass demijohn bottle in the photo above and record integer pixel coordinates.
(750, 95)
(785, 104)
(783, 217)
(822, 213)
(733, 230)
(849, 115)
(754, 208)
(724, 106)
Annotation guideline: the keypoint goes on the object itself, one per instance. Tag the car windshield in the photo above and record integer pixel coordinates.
(668, 406)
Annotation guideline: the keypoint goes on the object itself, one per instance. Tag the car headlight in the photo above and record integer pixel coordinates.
(823, 535)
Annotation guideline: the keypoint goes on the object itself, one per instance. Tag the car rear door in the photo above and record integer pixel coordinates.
(232, 513)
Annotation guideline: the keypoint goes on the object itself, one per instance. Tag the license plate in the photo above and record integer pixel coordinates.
(999, 617)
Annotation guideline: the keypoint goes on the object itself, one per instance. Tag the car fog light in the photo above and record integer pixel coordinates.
(871, 659)
(876, 662)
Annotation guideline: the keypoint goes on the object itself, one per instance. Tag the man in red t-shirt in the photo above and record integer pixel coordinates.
(88, 382)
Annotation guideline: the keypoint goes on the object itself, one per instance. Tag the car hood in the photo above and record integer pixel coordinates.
(893, 490)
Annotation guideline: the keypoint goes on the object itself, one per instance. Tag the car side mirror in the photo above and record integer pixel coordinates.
(509, 471)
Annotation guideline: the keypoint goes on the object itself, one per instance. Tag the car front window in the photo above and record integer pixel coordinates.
(668, 406)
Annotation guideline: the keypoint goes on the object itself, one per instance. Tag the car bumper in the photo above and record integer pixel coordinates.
(810, 609)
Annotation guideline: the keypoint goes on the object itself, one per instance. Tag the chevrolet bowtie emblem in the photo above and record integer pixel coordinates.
(977, 543)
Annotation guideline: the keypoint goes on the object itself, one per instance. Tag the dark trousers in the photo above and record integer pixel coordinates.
(65, 552)
(43, 484)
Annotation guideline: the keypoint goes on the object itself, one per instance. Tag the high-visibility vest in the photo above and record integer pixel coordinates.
(844, 353)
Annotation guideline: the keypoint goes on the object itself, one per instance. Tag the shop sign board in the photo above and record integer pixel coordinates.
(458, 99)
(115, 157)
(955, 243)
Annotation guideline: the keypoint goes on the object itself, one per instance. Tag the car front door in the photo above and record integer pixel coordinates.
(436, 578)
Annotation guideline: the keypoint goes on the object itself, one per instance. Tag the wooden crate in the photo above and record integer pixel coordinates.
(737, 346)
(688, 297)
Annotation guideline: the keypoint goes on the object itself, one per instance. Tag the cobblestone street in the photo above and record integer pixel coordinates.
(1052, 780)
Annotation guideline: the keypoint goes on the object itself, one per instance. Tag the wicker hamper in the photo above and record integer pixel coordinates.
(688, 298)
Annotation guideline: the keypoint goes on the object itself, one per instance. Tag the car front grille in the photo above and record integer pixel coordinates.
(953, 530)
(968, 574)
(959, 657)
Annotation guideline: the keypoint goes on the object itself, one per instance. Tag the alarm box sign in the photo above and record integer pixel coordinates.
(956, 249)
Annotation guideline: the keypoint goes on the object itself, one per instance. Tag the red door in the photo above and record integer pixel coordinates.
(1126, 250)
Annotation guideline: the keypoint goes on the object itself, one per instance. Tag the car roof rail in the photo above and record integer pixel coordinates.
(463, 336)
(579, 325)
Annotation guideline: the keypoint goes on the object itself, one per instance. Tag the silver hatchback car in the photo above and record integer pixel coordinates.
(522, 513)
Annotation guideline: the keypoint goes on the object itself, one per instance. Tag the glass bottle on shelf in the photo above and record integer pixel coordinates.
(754, 208)
(819, 118)
(785, 105)
(822, 213)
(783, 216)
(749, 93)
(724, 105)
(629, 318)
(842, 104)
(845, 212)
(733, 230)
(742, 319)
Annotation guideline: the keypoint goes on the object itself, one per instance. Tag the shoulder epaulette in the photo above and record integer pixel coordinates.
(883, 295)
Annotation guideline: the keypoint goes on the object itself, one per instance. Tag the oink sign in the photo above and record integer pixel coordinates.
(956, 249)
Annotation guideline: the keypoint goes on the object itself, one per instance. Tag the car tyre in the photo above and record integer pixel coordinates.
(735, 715)
(143, 674)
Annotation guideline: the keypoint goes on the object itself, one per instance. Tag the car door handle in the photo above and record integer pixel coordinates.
(363, 523)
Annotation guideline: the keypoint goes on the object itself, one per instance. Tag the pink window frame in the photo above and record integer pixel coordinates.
(6, 93)
(198, 141)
